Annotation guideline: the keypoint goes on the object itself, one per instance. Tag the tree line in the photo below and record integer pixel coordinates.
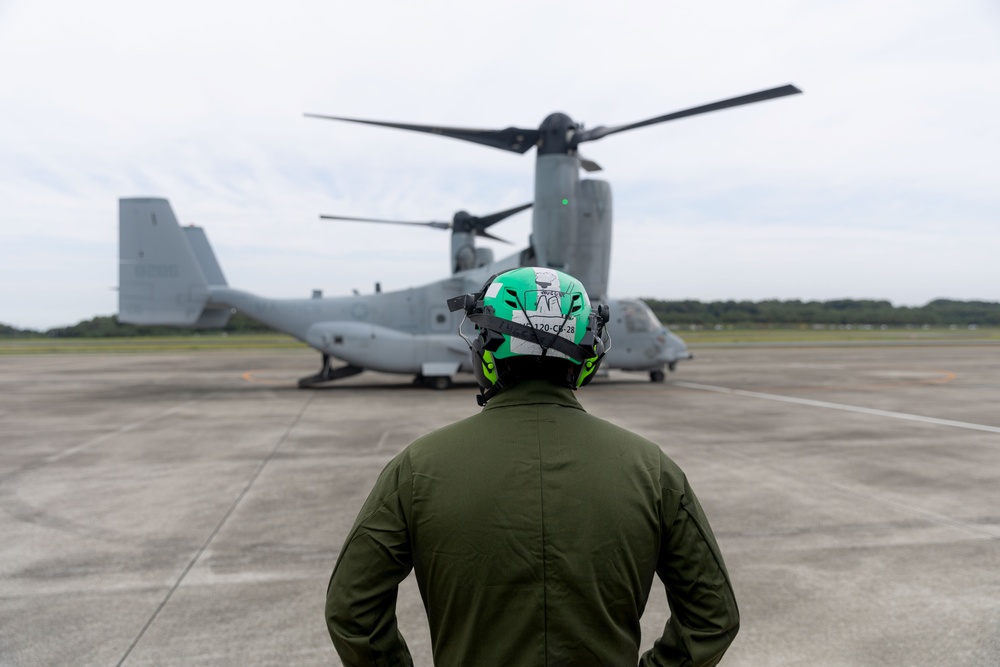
(108, 326)
(941, 312)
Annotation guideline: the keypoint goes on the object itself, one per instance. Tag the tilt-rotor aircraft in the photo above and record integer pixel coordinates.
(169, 275)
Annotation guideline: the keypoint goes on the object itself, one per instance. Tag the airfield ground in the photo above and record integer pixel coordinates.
(696, 336)
(186, 507)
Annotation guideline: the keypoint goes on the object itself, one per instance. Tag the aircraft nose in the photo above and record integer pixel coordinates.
(670, 348)
(658, 349)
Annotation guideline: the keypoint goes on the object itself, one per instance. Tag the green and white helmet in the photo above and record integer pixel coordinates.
(533, 312)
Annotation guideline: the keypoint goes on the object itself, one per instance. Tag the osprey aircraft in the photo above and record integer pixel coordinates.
(169, 275)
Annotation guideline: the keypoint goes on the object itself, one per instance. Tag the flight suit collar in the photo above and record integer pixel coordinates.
(533, 392)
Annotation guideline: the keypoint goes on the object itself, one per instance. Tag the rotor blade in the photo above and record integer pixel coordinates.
(512, 139)
(485, 221)
(435, 225)
(486, 234)
(781, 91)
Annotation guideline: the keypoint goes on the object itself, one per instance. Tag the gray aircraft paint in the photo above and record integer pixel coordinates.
(170, 277)
(164, 279)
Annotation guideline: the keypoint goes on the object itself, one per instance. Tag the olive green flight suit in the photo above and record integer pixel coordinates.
(535, 530)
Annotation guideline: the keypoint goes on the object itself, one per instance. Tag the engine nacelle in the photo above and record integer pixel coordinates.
(589, 256)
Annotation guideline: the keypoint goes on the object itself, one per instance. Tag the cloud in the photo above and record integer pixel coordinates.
(879, 181)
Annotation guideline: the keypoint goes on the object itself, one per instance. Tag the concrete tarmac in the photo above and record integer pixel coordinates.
(187, 509)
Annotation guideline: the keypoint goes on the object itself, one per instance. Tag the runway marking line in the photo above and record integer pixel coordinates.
(941, 377)
(838, 406)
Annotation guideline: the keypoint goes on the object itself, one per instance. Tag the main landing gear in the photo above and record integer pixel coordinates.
(438, 382)
(658, 375)
(328, 374)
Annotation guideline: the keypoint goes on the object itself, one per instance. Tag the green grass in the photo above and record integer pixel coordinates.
(149, 344)
(694, 338)
(806, 334)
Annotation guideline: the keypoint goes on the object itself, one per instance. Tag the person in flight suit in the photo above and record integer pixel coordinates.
(534, 528)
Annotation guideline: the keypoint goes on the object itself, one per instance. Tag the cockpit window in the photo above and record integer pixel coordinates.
(638, 317)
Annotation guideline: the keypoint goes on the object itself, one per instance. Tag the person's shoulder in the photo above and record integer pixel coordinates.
(652, 452)
(454, 433)
(603, 427)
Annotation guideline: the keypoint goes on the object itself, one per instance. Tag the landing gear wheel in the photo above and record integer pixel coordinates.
(440, 382)
(656, 376)
(328, 373)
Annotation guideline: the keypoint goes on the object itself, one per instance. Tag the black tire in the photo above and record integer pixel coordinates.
(439, 382)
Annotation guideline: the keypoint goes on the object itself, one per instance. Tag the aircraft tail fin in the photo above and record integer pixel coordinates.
(203, 253)
(164, 272)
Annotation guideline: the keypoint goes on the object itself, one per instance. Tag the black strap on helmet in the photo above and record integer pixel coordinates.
(545, 339)
(485, 319)
(592, 344)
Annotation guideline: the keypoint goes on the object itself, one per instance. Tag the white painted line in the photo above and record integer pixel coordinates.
(839, 406)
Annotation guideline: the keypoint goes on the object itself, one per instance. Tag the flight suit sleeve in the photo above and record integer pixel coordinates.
(704, 617)
(376, 557)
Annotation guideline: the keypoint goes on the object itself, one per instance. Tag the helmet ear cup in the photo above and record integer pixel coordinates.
(486, 368)
(588, 369)
(584, 373)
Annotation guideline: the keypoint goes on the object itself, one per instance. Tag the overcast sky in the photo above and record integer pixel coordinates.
(881, 181)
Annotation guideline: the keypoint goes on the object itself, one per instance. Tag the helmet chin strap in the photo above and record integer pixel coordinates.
(486, 394)
(508, 376)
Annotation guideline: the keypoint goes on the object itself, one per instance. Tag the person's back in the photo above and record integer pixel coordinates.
(534, 530)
